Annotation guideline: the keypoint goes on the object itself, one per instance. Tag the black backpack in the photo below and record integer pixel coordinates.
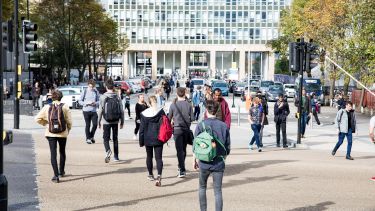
(56, 119)
(112, 109)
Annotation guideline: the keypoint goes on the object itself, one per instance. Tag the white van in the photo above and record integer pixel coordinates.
(290, 90)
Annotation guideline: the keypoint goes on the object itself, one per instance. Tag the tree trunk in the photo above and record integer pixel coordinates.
(332, 84)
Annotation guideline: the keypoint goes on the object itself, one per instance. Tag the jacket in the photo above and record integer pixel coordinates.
(101, 108)
(221, 132)
(179, 121)
(341, 121)
(151, 119)
(265, 110)
(227, 117)
(42, 119)
(306, 107)
(281, 114)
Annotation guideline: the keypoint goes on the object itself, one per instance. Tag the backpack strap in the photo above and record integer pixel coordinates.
(84, 95)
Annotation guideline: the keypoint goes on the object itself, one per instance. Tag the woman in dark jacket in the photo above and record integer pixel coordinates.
(151, 120)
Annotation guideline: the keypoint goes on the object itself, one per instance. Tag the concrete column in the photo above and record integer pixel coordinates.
(125, 64)
(212, 63)
(154, 64)
(183, 64)
(242, 64)
(271, 65)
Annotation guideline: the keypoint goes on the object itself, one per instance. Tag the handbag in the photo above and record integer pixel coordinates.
(190, 132)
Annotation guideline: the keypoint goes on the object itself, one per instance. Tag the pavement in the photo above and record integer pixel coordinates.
(307, 178)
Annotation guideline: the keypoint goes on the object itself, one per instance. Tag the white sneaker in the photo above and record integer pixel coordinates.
(88, 141)
(116, 159)
(135, 137)
(126, 118)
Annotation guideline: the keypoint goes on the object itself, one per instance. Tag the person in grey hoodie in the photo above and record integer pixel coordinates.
(108, 126)
(89, 101)
(346, 126)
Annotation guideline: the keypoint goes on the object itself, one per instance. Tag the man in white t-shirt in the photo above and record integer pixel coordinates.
(372, 135)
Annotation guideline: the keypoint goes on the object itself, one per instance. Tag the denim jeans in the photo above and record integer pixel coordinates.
(349, 137)
(304, 122)
(256, 129)
(218, 181)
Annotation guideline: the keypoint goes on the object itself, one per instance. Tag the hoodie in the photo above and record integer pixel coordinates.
(151, 120)
(101, 106)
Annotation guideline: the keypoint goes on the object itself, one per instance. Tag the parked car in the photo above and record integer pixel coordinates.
(223, 86)
(198, 82)
(71, 97)
(265, 85)
(124, 86)
(278, 84)
(290, 90)
(239, 88)
(273, 93)
(253, 92)
(135, 87)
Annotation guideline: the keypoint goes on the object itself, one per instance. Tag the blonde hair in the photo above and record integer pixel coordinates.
(256, 100)
(152, 100)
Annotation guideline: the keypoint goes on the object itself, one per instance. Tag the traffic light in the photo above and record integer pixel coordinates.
(294, 57)
(29, 36)
(312, 57)
(7, 36)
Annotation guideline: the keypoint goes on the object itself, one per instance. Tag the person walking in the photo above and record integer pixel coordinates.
(112, 112)
(314, 108)
(181, 114)
(89, 100)
(167, 88)
(346, 125)
(36, 92)
(127, 102)
(58, 119)
(223, 113)
(256, 118)
(281, 112)
(306, 110)
(197, 100)
(263, 102)
(216, 167)
(151, 120)
(139, 108)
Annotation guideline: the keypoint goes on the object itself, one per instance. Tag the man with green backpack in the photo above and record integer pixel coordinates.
(211, 146)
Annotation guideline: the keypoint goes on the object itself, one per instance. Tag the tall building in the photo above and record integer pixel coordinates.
(214, 37)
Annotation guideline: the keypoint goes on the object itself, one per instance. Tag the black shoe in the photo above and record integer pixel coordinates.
(285, 146)
(62, 174)
(349, 158)
(277, 145)
(333, 153)
(55, 179)
(93, 140)
(181, 174)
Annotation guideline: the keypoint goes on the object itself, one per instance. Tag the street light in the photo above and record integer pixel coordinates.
(234, 51)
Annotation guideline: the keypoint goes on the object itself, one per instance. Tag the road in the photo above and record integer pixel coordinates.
(303, 178)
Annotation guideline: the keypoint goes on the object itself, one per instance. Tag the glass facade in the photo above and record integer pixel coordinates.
(197, 21)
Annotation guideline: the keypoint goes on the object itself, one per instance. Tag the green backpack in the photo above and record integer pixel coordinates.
(202, 146)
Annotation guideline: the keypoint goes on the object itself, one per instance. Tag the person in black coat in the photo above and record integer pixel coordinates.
(281, 112)
(151, 120)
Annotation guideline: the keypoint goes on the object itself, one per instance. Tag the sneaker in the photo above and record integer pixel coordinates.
(88, 141)
(93, 140)
(251, 146)
(55, 179)
(349, 158)
(373, 179)
(150, 177)
(108, 156)
(333, 153)
(277, 145)
(181, 174)
(260, 149)
(158, 181)
(135, 137)
(116, 159)
(126, 118)
(62, 174)
(285, 146)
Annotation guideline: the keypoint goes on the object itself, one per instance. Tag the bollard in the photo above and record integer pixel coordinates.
(238, 115)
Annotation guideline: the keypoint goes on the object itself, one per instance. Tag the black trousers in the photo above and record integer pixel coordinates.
(53, 149)
(281, 126)
(36, 102)
(197, 111)
(127, 106)
(137, 126)
(181, 140)
(107, 135)
(90, 117)
(158, 157)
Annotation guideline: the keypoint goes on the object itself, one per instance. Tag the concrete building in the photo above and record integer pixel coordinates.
(202, 37)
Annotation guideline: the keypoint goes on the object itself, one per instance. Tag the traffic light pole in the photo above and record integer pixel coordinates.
(3, 179)
(301, 51)
(16, 71)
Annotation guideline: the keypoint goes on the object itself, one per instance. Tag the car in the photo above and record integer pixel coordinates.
(239, 88)
(197, 82)
(124, 86)
(264, 86)
(278, 84)
(70, 97)
(273, 93)
(253, 92)
(290, 90)
(135, 87)
(223, 86)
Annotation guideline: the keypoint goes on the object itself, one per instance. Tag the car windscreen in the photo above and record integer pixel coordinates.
(266, 83)
(241, 84)
(289, 86)
(220, 85)
(197, 82)
(275, 89)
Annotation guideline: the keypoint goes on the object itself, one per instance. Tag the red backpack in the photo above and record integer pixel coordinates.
(165, 131)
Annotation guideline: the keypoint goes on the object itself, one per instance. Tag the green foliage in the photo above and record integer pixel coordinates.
(282, 66)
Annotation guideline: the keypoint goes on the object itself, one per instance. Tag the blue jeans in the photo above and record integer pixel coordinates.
(304, 122)
(256, 137)
(349, 137)
(218, 181)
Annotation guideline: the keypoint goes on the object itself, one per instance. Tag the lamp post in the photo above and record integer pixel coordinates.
(234, 51)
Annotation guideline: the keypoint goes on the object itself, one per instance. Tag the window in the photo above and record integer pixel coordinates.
(134, 35)
(227, 17)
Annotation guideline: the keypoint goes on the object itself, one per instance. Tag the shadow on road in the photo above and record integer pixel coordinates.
(318, 207)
